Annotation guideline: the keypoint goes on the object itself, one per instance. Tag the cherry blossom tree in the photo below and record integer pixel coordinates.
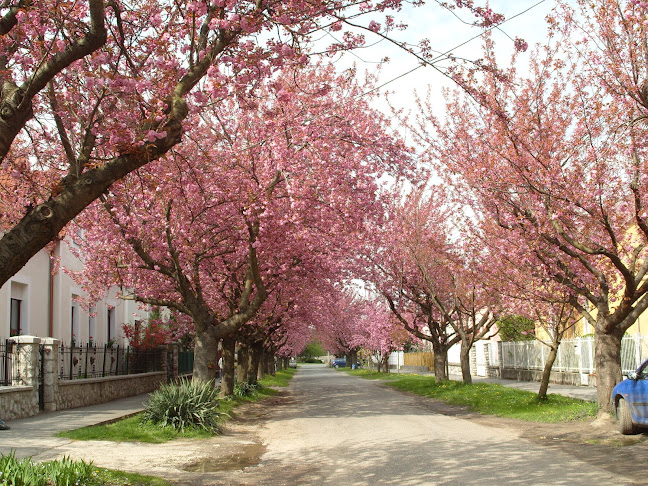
(432, 279)
(555, 160)
(112, 86)
(382, 333)
(335, 319)
(279, 185)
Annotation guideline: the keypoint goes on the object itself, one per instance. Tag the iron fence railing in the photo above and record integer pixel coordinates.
(87, 361)
(6, 363)
(574, 355)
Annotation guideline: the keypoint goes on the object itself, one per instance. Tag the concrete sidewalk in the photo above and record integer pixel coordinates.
(587, 393)
(35, 436)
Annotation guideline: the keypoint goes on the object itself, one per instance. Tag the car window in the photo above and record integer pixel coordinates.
(642, 373)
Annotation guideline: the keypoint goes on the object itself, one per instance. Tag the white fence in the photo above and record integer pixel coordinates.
(574, 355)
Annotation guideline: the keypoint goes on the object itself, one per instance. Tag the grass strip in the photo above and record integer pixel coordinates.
(281, 378)
(490, 398)
(132, 429)
(120, 478)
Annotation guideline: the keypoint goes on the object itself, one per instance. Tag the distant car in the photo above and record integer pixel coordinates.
(292, 363)
(338, 363)
(630, 400)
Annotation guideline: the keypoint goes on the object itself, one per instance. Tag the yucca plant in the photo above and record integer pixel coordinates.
(182, 405)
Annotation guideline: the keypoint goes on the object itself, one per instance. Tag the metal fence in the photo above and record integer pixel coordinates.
(574, 355)
(6, 366)
(98, 361)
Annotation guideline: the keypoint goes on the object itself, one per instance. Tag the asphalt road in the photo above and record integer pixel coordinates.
(338, 429)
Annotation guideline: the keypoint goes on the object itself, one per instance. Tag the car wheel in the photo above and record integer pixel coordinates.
(336, 366)
(626, 426)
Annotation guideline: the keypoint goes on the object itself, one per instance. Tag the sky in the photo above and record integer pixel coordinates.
(525, 19)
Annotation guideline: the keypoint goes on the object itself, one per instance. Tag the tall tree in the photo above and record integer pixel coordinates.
(411, 259)
(278, 185)
(112, 86)
(555, 160)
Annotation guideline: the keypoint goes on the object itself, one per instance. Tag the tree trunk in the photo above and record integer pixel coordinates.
(440, 360)
(242, 368)
(464, 358)
(354, 358)
(546, 373)
(254, 351)
(385, 360)
(205, 357)
(261, 368)
(607, 356)
(286, 363)
(270, 364)
(227, 382)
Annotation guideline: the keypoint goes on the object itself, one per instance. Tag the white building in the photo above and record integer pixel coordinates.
(37, 303)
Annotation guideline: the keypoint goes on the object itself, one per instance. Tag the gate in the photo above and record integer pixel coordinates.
(6, 366)
(481, 359)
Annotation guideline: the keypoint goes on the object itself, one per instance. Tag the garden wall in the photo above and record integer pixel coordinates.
(36, 386)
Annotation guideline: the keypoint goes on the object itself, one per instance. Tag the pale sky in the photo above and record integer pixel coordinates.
(446, 32)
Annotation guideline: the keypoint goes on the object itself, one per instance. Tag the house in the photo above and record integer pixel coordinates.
(44, 301)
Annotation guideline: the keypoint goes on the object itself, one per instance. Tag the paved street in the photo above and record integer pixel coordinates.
(341, 429)
(332, 428)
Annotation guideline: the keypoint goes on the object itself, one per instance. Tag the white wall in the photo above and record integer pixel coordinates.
(32, 285)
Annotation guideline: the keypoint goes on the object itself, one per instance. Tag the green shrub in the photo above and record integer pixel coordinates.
(25, 472)
(242, 390)
(183, 405)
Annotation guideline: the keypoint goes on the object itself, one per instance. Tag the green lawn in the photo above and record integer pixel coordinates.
(489, 398)
(281, 379)
(132, 429)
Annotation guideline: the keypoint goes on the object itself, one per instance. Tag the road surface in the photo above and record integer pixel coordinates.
(342, 430)
(330, 428)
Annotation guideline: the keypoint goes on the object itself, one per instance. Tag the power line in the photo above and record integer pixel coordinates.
(423, 63)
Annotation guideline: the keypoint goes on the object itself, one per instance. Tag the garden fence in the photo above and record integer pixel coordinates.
(185, 362)
(98, 361)
(574, 355)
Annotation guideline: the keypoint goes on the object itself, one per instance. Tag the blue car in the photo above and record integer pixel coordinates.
(630, 399)
(338, 363)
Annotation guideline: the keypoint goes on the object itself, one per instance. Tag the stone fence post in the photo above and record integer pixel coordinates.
(472, 356)
(25, 360)
(50, 369)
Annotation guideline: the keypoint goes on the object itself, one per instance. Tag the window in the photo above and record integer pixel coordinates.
(74, 321)
(18, 309)
(92, 324)
(111, 325)
(15, 320)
